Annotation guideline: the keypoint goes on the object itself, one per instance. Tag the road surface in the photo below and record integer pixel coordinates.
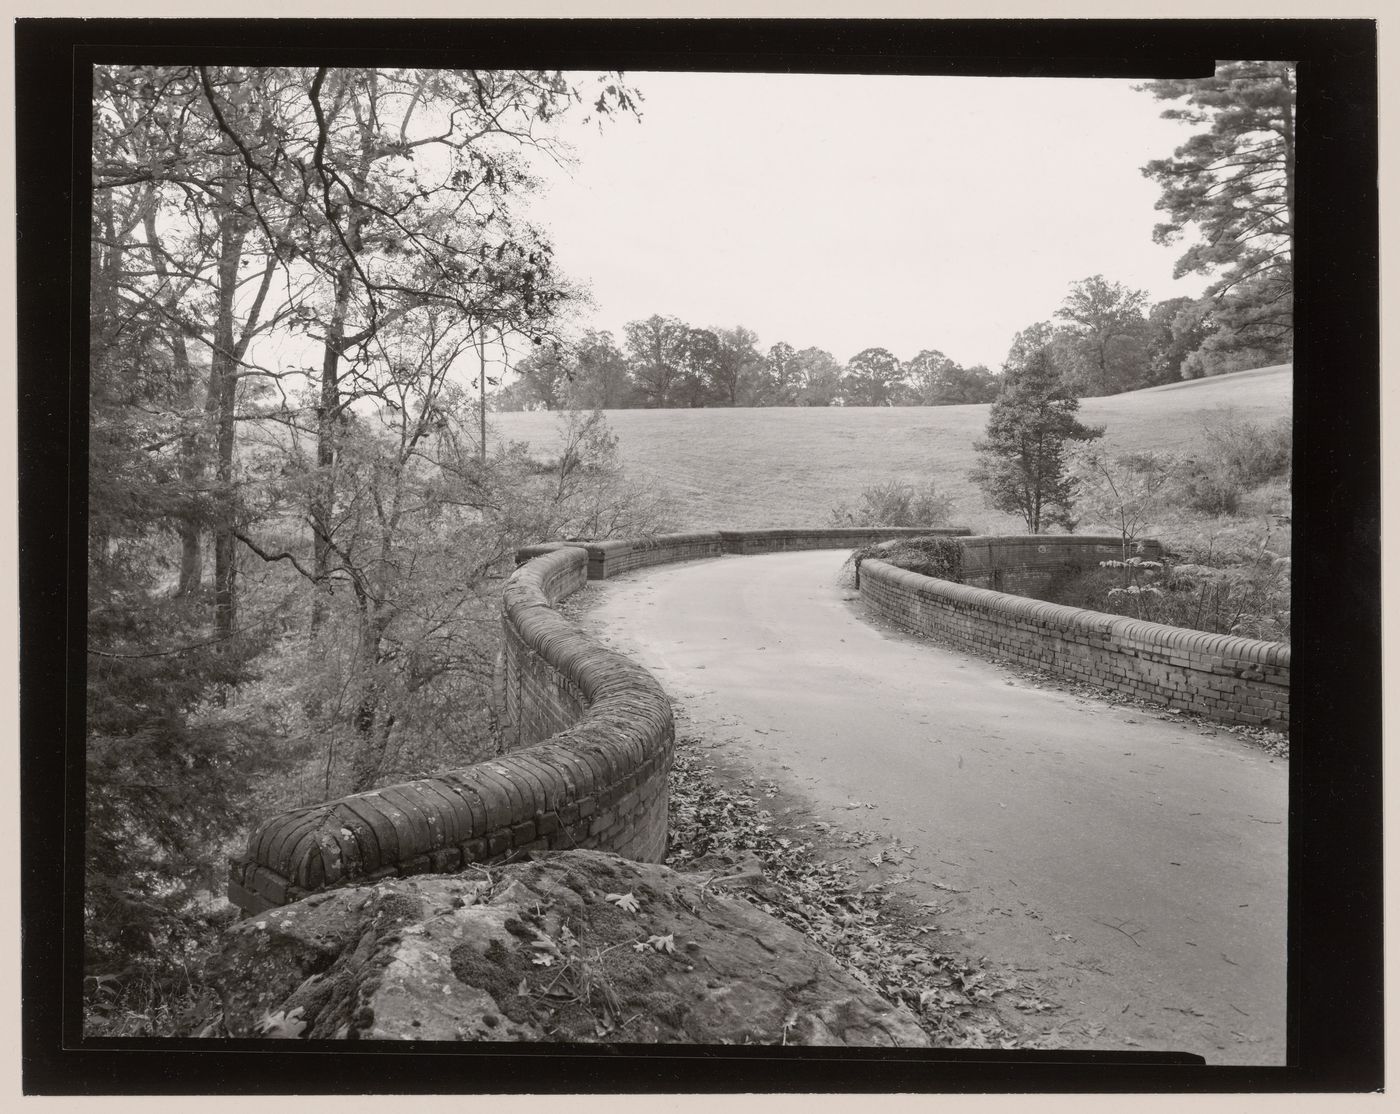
(1130, 867)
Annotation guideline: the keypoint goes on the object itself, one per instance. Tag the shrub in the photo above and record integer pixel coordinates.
(936, 556)
(1252, 453)
(1236, 457)
(1229, 582)
(1123, 492)
(895, 503)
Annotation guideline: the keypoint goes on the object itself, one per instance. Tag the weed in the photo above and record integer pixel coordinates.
(896, 503)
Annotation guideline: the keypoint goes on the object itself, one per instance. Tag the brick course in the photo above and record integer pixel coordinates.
(590, 733)
(1228, 679)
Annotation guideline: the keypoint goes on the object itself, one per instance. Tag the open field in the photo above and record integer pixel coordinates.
(788, 466)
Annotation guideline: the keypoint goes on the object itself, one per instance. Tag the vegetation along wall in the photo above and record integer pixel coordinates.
(1228, 679)
(589, 737)
(1015, 562)
(589, 733)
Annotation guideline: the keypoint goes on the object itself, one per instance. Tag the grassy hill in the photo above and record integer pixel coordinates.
(790, 466)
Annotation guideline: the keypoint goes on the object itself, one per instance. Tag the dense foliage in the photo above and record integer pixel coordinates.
(1233, 183)
(298, 527)
(1221, 515)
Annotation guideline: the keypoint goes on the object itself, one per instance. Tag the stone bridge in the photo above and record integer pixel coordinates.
(589, 732)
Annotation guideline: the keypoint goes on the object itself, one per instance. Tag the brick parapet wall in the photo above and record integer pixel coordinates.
(613, 558)
(592, 735)
(1015, 562)
(786, 541)
(1228, 679)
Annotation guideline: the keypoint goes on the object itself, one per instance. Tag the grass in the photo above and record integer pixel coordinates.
(780, 466)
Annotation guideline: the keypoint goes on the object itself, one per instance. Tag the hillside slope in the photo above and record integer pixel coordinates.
(788, 466)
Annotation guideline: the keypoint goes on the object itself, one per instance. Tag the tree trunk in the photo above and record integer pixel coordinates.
(328, 413)
(327, 425)
(371, 740)
(219, 405)
(191, 464)
(1288, 165)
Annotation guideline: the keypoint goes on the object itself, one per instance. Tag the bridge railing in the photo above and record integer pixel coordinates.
(1223, 677)
(589, 733)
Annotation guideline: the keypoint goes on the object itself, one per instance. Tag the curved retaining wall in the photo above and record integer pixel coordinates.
(1016, 562)
(590, 732)
(612, 558)
(597, 780)
(590, 736)
(1232, 680)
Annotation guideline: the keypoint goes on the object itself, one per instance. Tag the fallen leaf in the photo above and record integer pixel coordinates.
(282, 1025)
(624, 901)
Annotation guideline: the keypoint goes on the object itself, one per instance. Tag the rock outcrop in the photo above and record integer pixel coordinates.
(578, 946)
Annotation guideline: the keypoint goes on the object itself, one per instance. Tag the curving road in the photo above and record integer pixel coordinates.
(1132, 868)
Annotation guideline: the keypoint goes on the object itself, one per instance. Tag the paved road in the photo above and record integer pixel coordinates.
(1130, 867)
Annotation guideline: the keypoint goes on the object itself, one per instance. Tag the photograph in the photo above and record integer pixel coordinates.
(691, 550)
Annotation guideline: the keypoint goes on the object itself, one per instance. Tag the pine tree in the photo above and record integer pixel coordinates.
(1235, 183)
(1022, 466)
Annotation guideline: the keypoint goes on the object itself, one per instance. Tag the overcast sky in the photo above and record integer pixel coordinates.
(850, 211)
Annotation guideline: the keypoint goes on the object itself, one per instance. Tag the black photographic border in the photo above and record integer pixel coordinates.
(1335, 1033)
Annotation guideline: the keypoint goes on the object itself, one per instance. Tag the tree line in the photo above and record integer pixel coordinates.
(1105, 338)
(1230, 186)
(664, 362)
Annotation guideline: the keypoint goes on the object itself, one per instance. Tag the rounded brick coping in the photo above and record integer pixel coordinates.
(1148, 548)
(1055, 616)
(542, 795)
(655, 541)
(606, 556)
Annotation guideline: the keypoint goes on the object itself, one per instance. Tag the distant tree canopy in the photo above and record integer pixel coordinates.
(932, 379)
(874, 377)
(1233, 184)
(656, 353)
(1105, 338)
(669, 363)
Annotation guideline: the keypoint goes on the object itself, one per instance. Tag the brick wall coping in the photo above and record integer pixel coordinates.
(540, 797)
(1109, 545)
(609, 558)
(1064, 617)
(579, 787)
(1224, 677)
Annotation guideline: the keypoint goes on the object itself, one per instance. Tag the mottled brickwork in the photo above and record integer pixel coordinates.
(1230, 680)
(612, 558)
(783, 541)
(1016, 562)
(592, 737)
(589, 733)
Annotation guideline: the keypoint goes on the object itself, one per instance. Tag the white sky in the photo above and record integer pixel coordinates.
(850, 211)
